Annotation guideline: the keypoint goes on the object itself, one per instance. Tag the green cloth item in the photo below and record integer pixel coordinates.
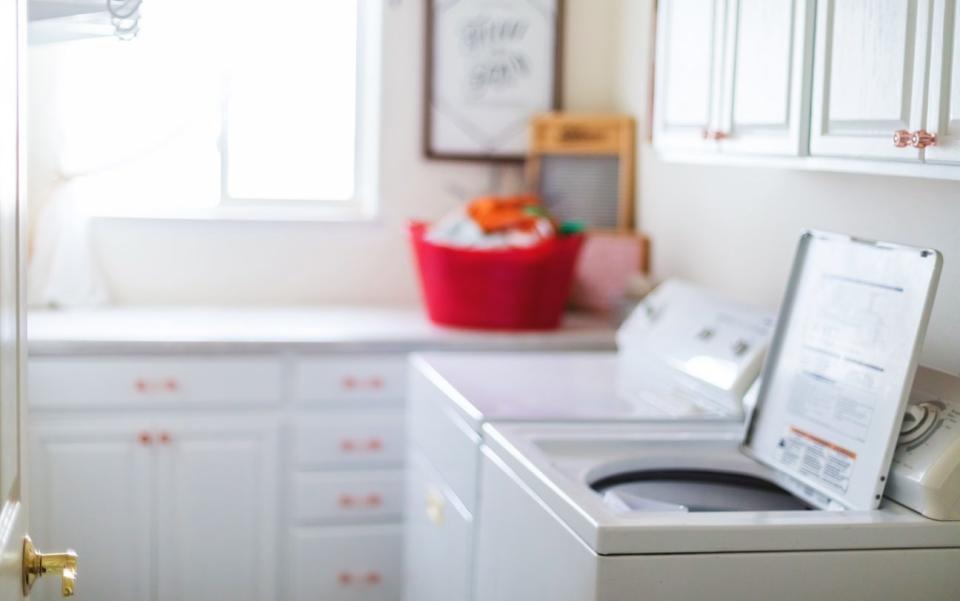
(570, 228)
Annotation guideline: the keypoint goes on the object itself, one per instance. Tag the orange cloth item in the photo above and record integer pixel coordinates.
(497, 214)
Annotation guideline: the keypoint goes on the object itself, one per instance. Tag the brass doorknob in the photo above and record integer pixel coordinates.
(36, 564)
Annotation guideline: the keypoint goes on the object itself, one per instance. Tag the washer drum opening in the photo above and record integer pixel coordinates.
(695, 491)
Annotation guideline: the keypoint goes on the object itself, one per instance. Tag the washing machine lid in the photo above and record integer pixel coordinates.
(840, 367)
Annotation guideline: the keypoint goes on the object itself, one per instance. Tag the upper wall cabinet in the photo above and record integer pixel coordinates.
(868, 84)
(767, 61)
(730, 76)
(689, 41)
(943, 112)
(871, 86)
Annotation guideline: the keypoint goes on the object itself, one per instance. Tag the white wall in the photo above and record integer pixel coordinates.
(735, 228)
(158, 262)
(731, 228)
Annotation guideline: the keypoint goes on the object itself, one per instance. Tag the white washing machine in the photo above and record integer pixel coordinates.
(791, 508)
(699, 355)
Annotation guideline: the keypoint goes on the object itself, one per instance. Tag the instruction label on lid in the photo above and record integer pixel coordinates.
(841, 364)
(817, 458)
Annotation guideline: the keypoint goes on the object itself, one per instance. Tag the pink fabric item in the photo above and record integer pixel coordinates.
(607, 261)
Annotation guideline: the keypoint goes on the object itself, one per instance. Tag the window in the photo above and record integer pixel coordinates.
(218, 103)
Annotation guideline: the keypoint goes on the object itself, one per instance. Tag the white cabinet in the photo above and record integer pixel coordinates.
(105, 468)
(350, 380)
(340, 439)
(180, 500)
(357, 563)
(689, 34)
(201, 464)
(943, 112)
(109, 382)
(216, 490)
(731, 74)
(348, 496)
(160, 508)
(868, 86)
(869, 77)
(767, 58)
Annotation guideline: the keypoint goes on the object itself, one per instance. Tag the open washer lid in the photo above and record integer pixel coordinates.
(840, 367)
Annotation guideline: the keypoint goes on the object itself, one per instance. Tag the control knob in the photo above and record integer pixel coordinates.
(918, 421)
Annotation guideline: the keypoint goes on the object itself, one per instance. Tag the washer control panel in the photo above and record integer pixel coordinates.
(925, 474)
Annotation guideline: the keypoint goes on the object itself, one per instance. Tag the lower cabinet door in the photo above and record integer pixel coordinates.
(90, 489)
(438, 537)
(348, 563)
(216, 503)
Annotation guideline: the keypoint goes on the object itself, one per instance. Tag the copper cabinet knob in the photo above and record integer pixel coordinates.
(922, 138)
(902, 138)
(715, 135)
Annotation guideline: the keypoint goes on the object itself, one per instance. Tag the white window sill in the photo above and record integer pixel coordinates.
(264, 213)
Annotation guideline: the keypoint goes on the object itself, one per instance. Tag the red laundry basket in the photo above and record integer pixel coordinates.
(508, 289)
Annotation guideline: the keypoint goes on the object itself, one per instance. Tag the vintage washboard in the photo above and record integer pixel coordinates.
(582, 166)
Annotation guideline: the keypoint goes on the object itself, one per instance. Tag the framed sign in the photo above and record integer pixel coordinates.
(491, 66)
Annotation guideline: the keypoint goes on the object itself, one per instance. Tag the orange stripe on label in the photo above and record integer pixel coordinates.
(822, 442)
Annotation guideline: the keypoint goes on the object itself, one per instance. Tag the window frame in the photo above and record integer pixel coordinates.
(363, 208)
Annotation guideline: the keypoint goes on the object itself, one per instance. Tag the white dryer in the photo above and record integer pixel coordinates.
(793, 507)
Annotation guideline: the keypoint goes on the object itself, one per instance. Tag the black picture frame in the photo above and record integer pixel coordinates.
(434, 105)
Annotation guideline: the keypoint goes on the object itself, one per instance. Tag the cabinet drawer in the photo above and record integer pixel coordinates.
(68, 381)
(332, 439)
(356, 379)
(352, 563)
(348, 496)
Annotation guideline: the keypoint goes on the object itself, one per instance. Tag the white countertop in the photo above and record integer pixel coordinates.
(540, 387)
(218, 329)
